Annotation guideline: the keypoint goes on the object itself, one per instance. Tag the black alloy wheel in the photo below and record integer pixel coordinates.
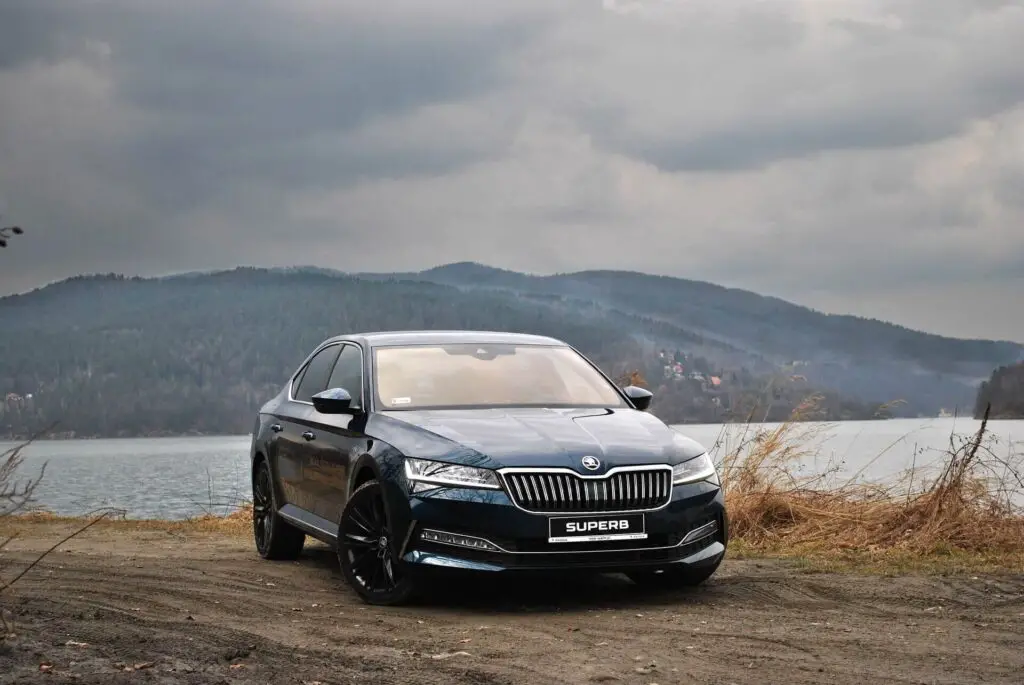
(366, 549)
(275, 538)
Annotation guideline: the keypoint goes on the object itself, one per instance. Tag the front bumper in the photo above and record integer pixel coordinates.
(518, 540)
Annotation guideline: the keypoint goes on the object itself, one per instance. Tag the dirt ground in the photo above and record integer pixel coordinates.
(121, 605)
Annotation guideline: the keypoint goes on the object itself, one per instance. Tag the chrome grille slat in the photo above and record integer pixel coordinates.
(562, 491)
(519, 491)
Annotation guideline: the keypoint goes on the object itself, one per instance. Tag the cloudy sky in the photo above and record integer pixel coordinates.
(860, 156)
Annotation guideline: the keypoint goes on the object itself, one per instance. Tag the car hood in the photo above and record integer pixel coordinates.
(495, 438)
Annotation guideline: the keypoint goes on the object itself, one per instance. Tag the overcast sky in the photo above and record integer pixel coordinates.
(860, 156)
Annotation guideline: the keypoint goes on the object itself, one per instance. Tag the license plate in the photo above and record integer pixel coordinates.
(597, 528)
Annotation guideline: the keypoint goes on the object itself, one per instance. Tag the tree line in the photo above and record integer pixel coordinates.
(1004, 391)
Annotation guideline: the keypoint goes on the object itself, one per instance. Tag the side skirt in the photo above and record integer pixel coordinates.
(310, 524)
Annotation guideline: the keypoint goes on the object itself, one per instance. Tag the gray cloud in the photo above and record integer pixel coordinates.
(745, 87)
(857, 155)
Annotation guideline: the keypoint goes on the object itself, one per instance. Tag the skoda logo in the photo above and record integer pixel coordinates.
(590, 463)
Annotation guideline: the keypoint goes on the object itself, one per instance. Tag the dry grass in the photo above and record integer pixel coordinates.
(238, 522)
(967, 516)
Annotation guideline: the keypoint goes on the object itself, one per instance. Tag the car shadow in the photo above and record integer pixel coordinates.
(533, 593)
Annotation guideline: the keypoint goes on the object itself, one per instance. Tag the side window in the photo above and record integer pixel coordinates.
(348, 373)
(314, 378)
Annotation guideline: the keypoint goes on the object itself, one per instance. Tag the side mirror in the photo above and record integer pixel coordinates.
(333, 401)
(640, 397)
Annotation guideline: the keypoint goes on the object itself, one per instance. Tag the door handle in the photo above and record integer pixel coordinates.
(309, 435)
(276, 428)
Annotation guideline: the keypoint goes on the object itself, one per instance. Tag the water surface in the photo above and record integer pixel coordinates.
(177, 478)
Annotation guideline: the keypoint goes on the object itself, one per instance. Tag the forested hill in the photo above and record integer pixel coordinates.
(758, 325)
(108, 355)
(1004, 392)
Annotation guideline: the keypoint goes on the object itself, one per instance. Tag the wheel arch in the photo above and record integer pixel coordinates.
(385, 467)
(257, 457)
(260, 457)
(364, 469)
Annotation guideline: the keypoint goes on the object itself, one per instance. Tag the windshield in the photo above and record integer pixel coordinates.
(488, 375)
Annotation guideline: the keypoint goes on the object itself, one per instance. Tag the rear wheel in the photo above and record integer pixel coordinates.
(366, 549)
(668, 578)
(275, 538)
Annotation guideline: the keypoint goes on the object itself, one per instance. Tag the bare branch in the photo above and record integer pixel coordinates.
(16, 495)
(77, 532)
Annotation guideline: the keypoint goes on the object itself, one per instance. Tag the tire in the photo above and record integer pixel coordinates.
(670, 578)
(366, 550)
(275, 538)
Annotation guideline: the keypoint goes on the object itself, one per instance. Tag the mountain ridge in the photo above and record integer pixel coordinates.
(443, 269)
(203, 348)
(430, 273)
(443, 274)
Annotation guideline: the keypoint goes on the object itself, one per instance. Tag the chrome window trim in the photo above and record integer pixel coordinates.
(302, 370)
(307, 360)
(362, 372)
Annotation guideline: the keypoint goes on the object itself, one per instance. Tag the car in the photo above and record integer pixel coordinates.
(416, 454)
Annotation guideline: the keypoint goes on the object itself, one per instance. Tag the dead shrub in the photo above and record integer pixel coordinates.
(16, 494)
(971, 506)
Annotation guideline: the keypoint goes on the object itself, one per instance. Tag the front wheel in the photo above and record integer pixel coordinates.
(366, 549)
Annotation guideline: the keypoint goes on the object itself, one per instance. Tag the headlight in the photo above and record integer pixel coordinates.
(440, 473)
(698, 468)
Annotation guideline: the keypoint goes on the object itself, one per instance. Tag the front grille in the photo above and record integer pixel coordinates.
(561, 492)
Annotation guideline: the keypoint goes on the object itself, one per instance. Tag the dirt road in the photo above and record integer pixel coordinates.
(123, 605)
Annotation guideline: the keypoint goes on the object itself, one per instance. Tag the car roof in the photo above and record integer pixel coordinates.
(390, 338)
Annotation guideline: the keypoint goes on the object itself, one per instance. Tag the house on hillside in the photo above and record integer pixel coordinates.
(673, 371)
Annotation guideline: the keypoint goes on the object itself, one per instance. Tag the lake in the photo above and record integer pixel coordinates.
(175, 478)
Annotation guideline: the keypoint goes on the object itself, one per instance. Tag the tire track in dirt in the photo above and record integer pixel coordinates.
(130, 597)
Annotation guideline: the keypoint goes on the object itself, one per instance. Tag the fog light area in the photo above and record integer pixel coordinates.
(443, 538)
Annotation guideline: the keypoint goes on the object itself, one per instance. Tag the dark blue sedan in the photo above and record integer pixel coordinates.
(410, 452)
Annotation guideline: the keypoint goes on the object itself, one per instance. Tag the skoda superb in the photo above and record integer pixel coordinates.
(410, 452)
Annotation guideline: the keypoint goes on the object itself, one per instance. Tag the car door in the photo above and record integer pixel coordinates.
(296, 426)
(340, 439)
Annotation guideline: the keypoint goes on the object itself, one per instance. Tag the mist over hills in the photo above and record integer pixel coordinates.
(868, 359)
(197, 353)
